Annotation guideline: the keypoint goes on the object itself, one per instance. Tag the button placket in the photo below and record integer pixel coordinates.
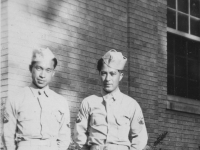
(108, 103)
(44, 110)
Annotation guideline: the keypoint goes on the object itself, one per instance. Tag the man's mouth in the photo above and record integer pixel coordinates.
(41, 81)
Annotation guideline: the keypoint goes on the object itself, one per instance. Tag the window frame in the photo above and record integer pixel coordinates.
(188, 35)
(176, 31)
(186, 76)
(173, 99)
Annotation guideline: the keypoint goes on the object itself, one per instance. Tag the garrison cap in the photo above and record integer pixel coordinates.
(114, 59)
(42, 54)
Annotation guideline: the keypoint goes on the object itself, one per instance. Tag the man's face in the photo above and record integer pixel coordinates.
(42, 73)
(110, 78)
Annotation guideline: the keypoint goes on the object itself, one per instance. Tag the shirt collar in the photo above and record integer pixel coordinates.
(116, 94)
(35, 90)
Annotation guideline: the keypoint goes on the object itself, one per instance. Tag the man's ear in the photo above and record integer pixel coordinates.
(121, 76)
(53, 73)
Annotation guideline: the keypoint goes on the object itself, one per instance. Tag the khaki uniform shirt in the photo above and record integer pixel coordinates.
(113, 118)
(33, 114)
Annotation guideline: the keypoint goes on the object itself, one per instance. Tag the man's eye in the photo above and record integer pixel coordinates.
(49, 70)
(112, 74)
(38, 68)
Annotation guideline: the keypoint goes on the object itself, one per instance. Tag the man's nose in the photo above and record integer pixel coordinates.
(42, 74)
(107, 77)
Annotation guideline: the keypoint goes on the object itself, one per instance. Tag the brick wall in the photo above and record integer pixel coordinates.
(143, 51)
(183, 127)
(4, 58)
(79, 32)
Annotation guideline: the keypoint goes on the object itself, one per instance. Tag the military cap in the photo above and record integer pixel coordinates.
(114, 59)
(42, 54)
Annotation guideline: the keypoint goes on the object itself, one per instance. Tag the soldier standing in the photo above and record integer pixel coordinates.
(37, 118)
(112, 120)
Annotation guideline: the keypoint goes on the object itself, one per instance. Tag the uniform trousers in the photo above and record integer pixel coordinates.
(107, 147)
(37, 144)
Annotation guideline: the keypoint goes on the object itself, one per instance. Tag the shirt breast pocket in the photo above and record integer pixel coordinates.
(97, 120)
(57, 115)
(123, 126)
(25, 115)
(54, 120)
(26, 122)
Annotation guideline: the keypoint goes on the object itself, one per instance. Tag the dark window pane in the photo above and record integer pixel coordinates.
(193, 70)
(171, 3)
(195, 27)
(193, 50)
(170, 85)
(180, 66)
(182, 22)
(183, 6)
(193, 90)
(170, 64)
(170, 43)
(183, 67)
(171, 18)
(180, 46)
(180, 87)
(195, 8)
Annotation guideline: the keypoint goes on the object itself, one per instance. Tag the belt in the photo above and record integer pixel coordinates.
(38, 142)
(109, 147)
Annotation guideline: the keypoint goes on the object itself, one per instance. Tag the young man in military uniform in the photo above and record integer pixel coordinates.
(37, 118)
(111, 120)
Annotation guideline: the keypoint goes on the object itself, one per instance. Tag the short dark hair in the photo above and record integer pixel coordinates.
(55, 62)
(33, 62)
(100, 64)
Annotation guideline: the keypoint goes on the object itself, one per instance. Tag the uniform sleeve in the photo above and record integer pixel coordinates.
(138, 131)
(10, 125)
(64, 132)
(81, 125)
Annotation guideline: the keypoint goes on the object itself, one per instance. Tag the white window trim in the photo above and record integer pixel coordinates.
(183, 100)
(182, 104)
(192, 37)
(187, 35)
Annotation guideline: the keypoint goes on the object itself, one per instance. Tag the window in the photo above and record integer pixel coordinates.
(183, 48)
(183, 67)
(184, 16)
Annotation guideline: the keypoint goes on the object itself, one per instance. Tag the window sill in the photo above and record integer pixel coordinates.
(181, 104)
(193, 37)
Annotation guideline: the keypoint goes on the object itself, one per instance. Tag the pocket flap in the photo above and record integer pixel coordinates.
(122, 120)
(58, 115)
(25, 115)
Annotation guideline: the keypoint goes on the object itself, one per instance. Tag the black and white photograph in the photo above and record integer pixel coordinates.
(100, 75)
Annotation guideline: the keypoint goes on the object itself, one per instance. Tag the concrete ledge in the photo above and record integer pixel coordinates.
(183, 104)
